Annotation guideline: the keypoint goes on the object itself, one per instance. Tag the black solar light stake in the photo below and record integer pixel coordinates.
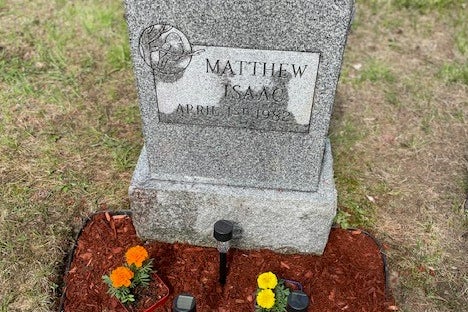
(297, 302)
(184, 303)
(223, 234)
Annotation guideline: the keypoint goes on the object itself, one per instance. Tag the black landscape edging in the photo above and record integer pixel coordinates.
(384, 260)
(73, 248)
(382, 253)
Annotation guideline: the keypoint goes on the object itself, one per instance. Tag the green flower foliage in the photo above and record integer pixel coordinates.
(123, 294)
(281, 298)
(141, 278)
(142, 275)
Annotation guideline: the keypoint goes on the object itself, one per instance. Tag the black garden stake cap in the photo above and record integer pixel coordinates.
(297, 302)
(223, 230)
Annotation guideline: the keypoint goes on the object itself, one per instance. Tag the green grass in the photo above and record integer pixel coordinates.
(461, 33)
(392, 97)
(67, 144)
(376, 71)
(454, 73)
(402, 110)
(425, 5)
(119, 56)
(355, 210)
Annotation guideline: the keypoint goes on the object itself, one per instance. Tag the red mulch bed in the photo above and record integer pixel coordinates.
(349, 276)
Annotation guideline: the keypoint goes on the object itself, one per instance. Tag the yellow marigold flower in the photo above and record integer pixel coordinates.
(136, 255)
(267, 280)
(121, 276)
(266, 298)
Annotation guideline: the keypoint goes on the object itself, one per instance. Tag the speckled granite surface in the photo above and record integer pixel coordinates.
(236, 99)
(236, 156)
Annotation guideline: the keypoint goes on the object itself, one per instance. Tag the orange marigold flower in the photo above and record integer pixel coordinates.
(121, 276)
(136, 255)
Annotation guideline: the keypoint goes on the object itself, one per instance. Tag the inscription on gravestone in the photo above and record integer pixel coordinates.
(229, 87)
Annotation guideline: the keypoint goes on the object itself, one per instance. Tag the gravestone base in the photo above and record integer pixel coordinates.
(280, 220)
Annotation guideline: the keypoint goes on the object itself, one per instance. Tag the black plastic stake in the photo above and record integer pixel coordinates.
(222, 267)
(223, 234)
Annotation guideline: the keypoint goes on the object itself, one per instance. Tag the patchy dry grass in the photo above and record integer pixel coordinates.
(70, 136)
(404, 87)
(68, 139)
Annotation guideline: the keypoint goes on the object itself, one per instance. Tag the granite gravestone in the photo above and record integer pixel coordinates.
(236, 98)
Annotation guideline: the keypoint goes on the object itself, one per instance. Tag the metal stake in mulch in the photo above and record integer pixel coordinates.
(184, 303)
(223, 234)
